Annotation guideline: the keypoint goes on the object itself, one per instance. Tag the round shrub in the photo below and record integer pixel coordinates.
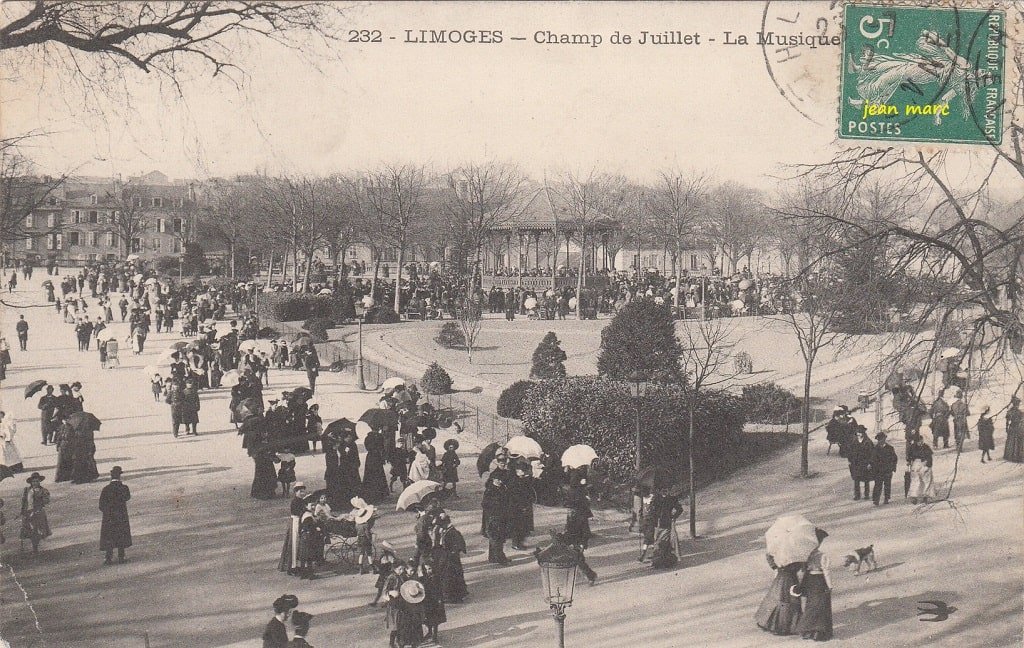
(769, 403)
(436, 380)
(451, 336)
(510, 403)
(641, 339)
(317, 327)
(548, 358)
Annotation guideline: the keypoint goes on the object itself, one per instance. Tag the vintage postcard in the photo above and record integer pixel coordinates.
(511, 324)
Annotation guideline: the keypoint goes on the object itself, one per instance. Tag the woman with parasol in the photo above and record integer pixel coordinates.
(816, 619)
(790, 540)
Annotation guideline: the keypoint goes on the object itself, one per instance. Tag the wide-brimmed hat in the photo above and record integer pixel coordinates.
(358, 502)
(297, 485)
(301, 619)
(451, 444)
(412, 591)
(363, 515)
(35, 477)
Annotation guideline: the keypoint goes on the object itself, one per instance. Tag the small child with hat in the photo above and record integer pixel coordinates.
(384, 567)
(157, 384)
(364, 515)
(450, 468)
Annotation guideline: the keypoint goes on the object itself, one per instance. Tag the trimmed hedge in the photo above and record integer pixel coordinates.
(769, 403)
(317, 327)
(510, 403)
(290, 307)
(382, 315)
(602, 414)
(451, 336)
(436, 380)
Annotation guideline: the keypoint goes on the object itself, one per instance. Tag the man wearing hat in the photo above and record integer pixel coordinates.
(835, 431)
(115, 531)
(275, 635)
(940, 421)
(883, 465)
(47, 408)
(858, 454)
(34, 524)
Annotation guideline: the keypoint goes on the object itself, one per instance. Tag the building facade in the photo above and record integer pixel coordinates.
(90, 219)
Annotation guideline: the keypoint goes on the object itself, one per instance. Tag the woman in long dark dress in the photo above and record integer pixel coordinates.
(1013, 448)
(816, 590)
(375, 483)
(348, 465)
(448, 550)
(83, 466)
(63, 437)
(779, 612)
(336, 492)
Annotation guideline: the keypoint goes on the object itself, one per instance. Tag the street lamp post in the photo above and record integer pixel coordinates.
(360, 381)
(637, 389)
(558, 578)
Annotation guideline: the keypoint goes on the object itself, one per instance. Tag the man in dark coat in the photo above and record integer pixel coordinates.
(47, 408)
(577, 526)
(859, 456)
(22, 328)
(940, 422)
(496, 514)
(115, 531)
(883, 465)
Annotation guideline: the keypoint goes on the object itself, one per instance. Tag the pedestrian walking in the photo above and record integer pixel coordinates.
(577, 526)
(919, 463)
(883, 464)
(779, 612)
(858, 455)
(22, 329)
(300, 623)
(1013, 449)
(450, 468)
(449, 545)
(960, 412)
(940, 422)
(496, 514)
(11, 456)
(34, 524)
(115, 530)
(816, 594)
(986, 434)
(47, 411)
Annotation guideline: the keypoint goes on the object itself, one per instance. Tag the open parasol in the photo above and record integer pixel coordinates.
(5, 472)
(416, 493)
(302, 341)
(523, 446)
(34, 387)
(379, 419)
(248, 345)
(658, 477)
(577, 456)
(339, 428)
(302, 394)
(483, 462)
(230, 378)
(951, 352)
(790, 539)
(84, 422)
(392, 383)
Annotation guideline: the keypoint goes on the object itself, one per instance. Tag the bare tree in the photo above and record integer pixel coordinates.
(231, 216)
(679, 206)
(586, 202)
(396, 198)
(479, 197)
(735, 222)
(128, 221)
(22, 192)
(470, 318)
(156, 36)
(706, 363)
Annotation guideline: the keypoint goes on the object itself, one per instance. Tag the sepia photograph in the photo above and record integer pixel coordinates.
(511, 324)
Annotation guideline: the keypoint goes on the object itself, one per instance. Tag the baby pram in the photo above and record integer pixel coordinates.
(340, 548)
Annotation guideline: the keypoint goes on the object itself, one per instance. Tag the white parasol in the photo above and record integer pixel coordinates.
(326, 291)
(577, 456)
(416, 493)
(530, 303)
(230, 378)
(523, 446)
(572, 303)
(248, 345)
(392, 382)
(790, 539)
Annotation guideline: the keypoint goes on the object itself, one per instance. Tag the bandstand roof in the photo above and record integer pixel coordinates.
(545, 211)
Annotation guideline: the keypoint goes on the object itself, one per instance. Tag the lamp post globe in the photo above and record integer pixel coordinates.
(558, 563)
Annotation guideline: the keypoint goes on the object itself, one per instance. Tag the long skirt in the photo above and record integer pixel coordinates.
(264, 479)
(375, 483)
(83, 468)
(921, 483)
(35, 526)
(65, 461)
(960, 430)
(290, 550)
(779, 612)
(817, 614)
(11, 455)
(1013, 449)
(453, 580)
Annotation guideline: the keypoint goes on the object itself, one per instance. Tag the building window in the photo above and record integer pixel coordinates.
(74, 238)
(177, 246)
(58, 241)
(156, 244)
(161, 226)
(92, 257)
(93, 199)
(30, 244)
(138, 201)
(110, 239)
(91, 238)
(136, 245)
(52, 200)
(179, 224)
(94, 217)
(51, 220)
(30, 221)
(158, 202)
(693, 262)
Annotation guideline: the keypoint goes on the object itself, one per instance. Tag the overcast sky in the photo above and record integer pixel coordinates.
(632, 109)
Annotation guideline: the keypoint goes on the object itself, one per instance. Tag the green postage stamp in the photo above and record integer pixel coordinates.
(922, 74)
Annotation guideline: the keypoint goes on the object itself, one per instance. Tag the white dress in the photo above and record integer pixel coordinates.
(8, 429)
(420, 468)
(921, 482)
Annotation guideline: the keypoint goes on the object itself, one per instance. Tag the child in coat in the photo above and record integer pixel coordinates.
(384, 567)
(157, 384)
(314, 424)
(286, 473)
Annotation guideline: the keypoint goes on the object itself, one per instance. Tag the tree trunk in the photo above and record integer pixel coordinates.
(693, 480)
(579, 278)
(373, 281)
(679, 277)
(232, 248)
(805, 417)
(306, 270)
(398, 279)
(270, 269)
(295, 264)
